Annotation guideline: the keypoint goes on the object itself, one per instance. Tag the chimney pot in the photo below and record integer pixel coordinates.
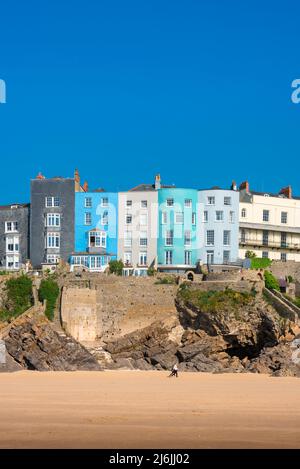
(287, 191)
(245, 186)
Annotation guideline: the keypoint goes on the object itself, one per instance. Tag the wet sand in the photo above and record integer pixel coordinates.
(133, 409)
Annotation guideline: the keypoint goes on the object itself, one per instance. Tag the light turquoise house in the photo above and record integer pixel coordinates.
(177, 245)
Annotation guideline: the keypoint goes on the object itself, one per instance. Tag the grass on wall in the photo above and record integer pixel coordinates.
(49, 291)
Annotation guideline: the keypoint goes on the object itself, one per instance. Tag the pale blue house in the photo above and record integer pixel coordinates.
(218, 229)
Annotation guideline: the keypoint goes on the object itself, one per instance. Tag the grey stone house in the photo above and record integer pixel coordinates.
(52, 219)
(14, 236)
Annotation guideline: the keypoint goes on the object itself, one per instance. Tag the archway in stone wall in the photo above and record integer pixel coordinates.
(190, 276)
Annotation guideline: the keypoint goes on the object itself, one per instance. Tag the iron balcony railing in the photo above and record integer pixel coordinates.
(263, 243)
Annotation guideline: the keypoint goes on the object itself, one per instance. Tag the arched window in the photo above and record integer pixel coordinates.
(244, 213)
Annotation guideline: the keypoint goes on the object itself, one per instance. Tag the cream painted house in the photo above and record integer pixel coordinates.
(137, 228)
(269, 224)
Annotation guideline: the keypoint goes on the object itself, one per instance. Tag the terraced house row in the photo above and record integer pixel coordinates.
(151, 225)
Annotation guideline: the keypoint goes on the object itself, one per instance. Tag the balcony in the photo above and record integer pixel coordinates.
(263, 243)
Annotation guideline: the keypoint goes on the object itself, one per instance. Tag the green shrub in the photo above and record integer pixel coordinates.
(166, 281)
(270, 281)
(3, 272)
(116, 267)
(215, 301)
(151, 271)
(260, 262)
(19, 294)
(250, 255)
(290, 279)
(49, 291)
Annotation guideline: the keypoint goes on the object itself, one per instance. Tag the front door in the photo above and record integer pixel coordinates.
(210, 257)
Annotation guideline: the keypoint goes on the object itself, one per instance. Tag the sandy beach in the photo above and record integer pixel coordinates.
(123, 409)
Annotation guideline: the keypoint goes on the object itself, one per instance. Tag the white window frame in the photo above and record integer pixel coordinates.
(143, 239)
(127, 258)
(104, 218)
(187, 238)
(88, 218)
(227, 200)
(53, 217)
(144, 219)
(143, 258)
(205, 216)
(187, 257)
(227, 235)
(211, 200)
(232, 216)
(219, 212)
(144, 203)
(51, 201)
(194, 218)
(284, 216)
(266, 215)
(104, 201)
(128, 239)
(243, 213)
(53, 240)
(11, 227)
(128, 203)
(179, 218)
(53, 258)
(128, 216)
(88, 202)
(169, 257)
(188, 203)
(169, 238)
(164, 218)
(210, 237)
(170, 202)
(12, 244)
(100, 239)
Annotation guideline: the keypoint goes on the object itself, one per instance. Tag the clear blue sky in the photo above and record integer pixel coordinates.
(196, 90)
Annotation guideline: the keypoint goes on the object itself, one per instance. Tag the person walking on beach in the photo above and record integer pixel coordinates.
(174, 371)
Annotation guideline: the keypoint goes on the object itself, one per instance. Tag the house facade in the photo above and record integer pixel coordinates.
(269, 224)
(218, 229)
(14, 236)
(137, 232)
(52, 218)
(96, 229)
(177, 243)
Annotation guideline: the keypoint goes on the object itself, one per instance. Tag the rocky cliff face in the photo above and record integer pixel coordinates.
(34, 344)
(222, 332)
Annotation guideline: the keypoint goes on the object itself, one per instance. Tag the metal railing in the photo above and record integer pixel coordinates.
(269, 244)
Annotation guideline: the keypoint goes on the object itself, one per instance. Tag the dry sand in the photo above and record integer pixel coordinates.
(124, 409)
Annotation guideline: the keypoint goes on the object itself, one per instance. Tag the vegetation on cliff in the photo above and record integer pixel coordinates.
(18, 292)
(49, 291)
(270, 281)
(214, 301)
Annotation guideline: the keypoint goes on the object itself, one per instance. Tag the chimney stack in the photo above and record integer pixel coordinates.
(233, 186)
(287, 191)
(157, 184)
(40, 176)
(77, 180)
(245, 186)
(85, 186)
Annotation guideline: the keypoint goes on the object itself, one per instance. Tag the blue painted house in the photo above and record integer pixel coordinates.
(177, 245)
(218, 230)
(96, 229)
